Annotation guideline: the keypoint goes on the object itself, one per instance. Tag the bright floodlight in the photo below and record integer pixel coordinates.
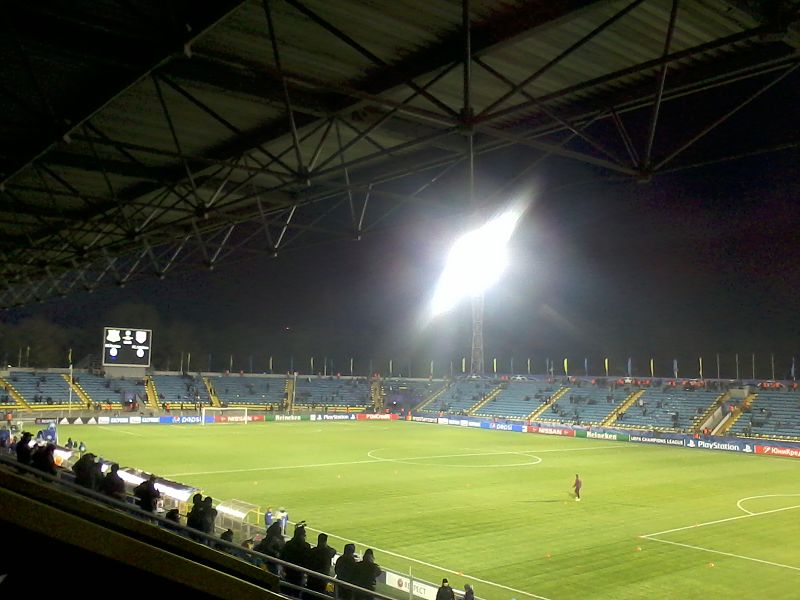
(476, 261)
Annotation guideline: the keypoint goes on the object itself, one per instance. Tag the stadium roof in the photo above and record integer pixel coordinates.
(144, 137)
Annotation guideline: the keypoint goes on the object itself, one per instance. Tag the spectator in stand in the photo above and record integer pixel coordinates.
(296, 551)
(445, 592)
(174, 516)
(345, 571)
(44, 460)
(209, 516)
(469, 593)
(147, 494)
(272, 545)
(366, 575)
(319, 560)
(194, 518)
(227, 536)
(84, 473)
(113, 485)
(24, 449)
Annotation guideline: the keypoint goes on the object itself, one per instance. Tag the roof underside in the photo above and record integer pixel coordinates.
(141, 137)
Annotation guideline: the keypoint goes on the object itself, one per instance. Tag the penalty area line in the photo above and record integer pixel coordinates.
(736, 518)
(731, 554)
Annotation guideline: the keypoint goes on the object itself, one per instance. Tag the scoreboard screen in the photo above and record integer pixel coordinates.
(126, 347)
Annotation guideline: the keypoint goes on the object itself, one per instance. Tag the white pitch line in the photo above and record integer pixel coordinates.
(376, 460)
(750, 558)
(736, 518)
(118, 430)
(749, 512)
(431, 565)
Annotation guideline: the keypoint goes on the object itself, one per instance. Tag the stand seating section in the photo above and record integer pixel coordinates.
(330, 391)
(175, 389)
(111, 391)
(414, 391)
(237, 389)
(585, 405)
(668, 409)
(42, 389)
(518, 400)
(774, 414)
(460, 396)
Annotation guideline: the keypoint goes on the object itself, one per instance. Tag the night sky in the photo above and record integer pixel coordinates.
(698, 262)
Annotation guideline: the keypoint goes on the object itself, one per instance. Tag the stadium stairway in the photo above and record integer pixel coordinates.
(151, 392)
(121, 549)
(545, 405)
(375, 394)
(13, 393)
(79, 391)
(726, 426)
(629, 401)
(697, 425)
(433, 397)
(289, 388)
(481, 403)
(212, 393)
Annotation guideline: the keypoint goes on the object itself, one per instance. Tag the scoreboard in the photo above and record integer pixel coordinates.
(126, 346)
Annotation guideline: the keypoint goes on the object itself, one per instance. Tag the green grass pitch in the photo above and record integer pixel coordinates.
(495, 509)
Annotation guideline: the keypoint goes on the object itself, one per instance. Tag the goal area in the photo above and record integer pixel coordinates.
(224, 415)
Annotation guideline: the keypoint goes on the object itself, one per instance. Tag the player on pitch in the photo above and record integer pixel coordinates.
(577, 485)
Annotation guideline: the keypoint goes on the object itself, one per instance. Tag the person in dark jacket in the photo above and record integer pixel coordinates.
(208, 516)
(366, 575)
(84, 473)
(469, 593)
(24, 450)
(113, 485)
(272, 545)
(44, 460)
(296, 551)
(319, 560)
(345, 569)
(445, 592)
(147, 494)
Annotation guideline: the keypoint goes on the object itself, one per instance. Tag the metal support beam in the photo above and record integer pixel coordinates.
(727, 115)
(662, 77)
(558, 58)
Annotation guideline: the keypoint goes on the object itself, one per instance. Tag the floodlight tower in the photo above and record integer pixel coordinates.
(476, 361)
(467, 114)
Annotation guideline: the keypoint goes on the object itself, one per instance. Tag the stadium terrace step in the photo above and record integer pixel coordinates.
(152, 393)
(697, 425)
(124, 548)
(432, 398)
(14, 394)
(288, 393)
(79, 391)
(545, 405)
(726, 426)
(629, 401)
(212, 393)
(481, 403)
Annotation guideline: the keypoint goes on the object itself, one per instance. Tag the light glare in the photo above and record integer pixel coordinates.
(476, 261)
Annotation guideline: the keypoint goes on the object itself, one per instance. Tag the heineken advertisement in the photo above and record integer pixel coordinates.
(603, 435)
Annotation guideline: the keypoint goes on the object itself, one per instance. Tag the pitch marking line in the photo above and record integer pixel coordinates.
(736, 518)
(653, 536)
(749, 512)
(750, 558)
(118, 430)
(431, 565)
(376, 460)
(534, 460)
